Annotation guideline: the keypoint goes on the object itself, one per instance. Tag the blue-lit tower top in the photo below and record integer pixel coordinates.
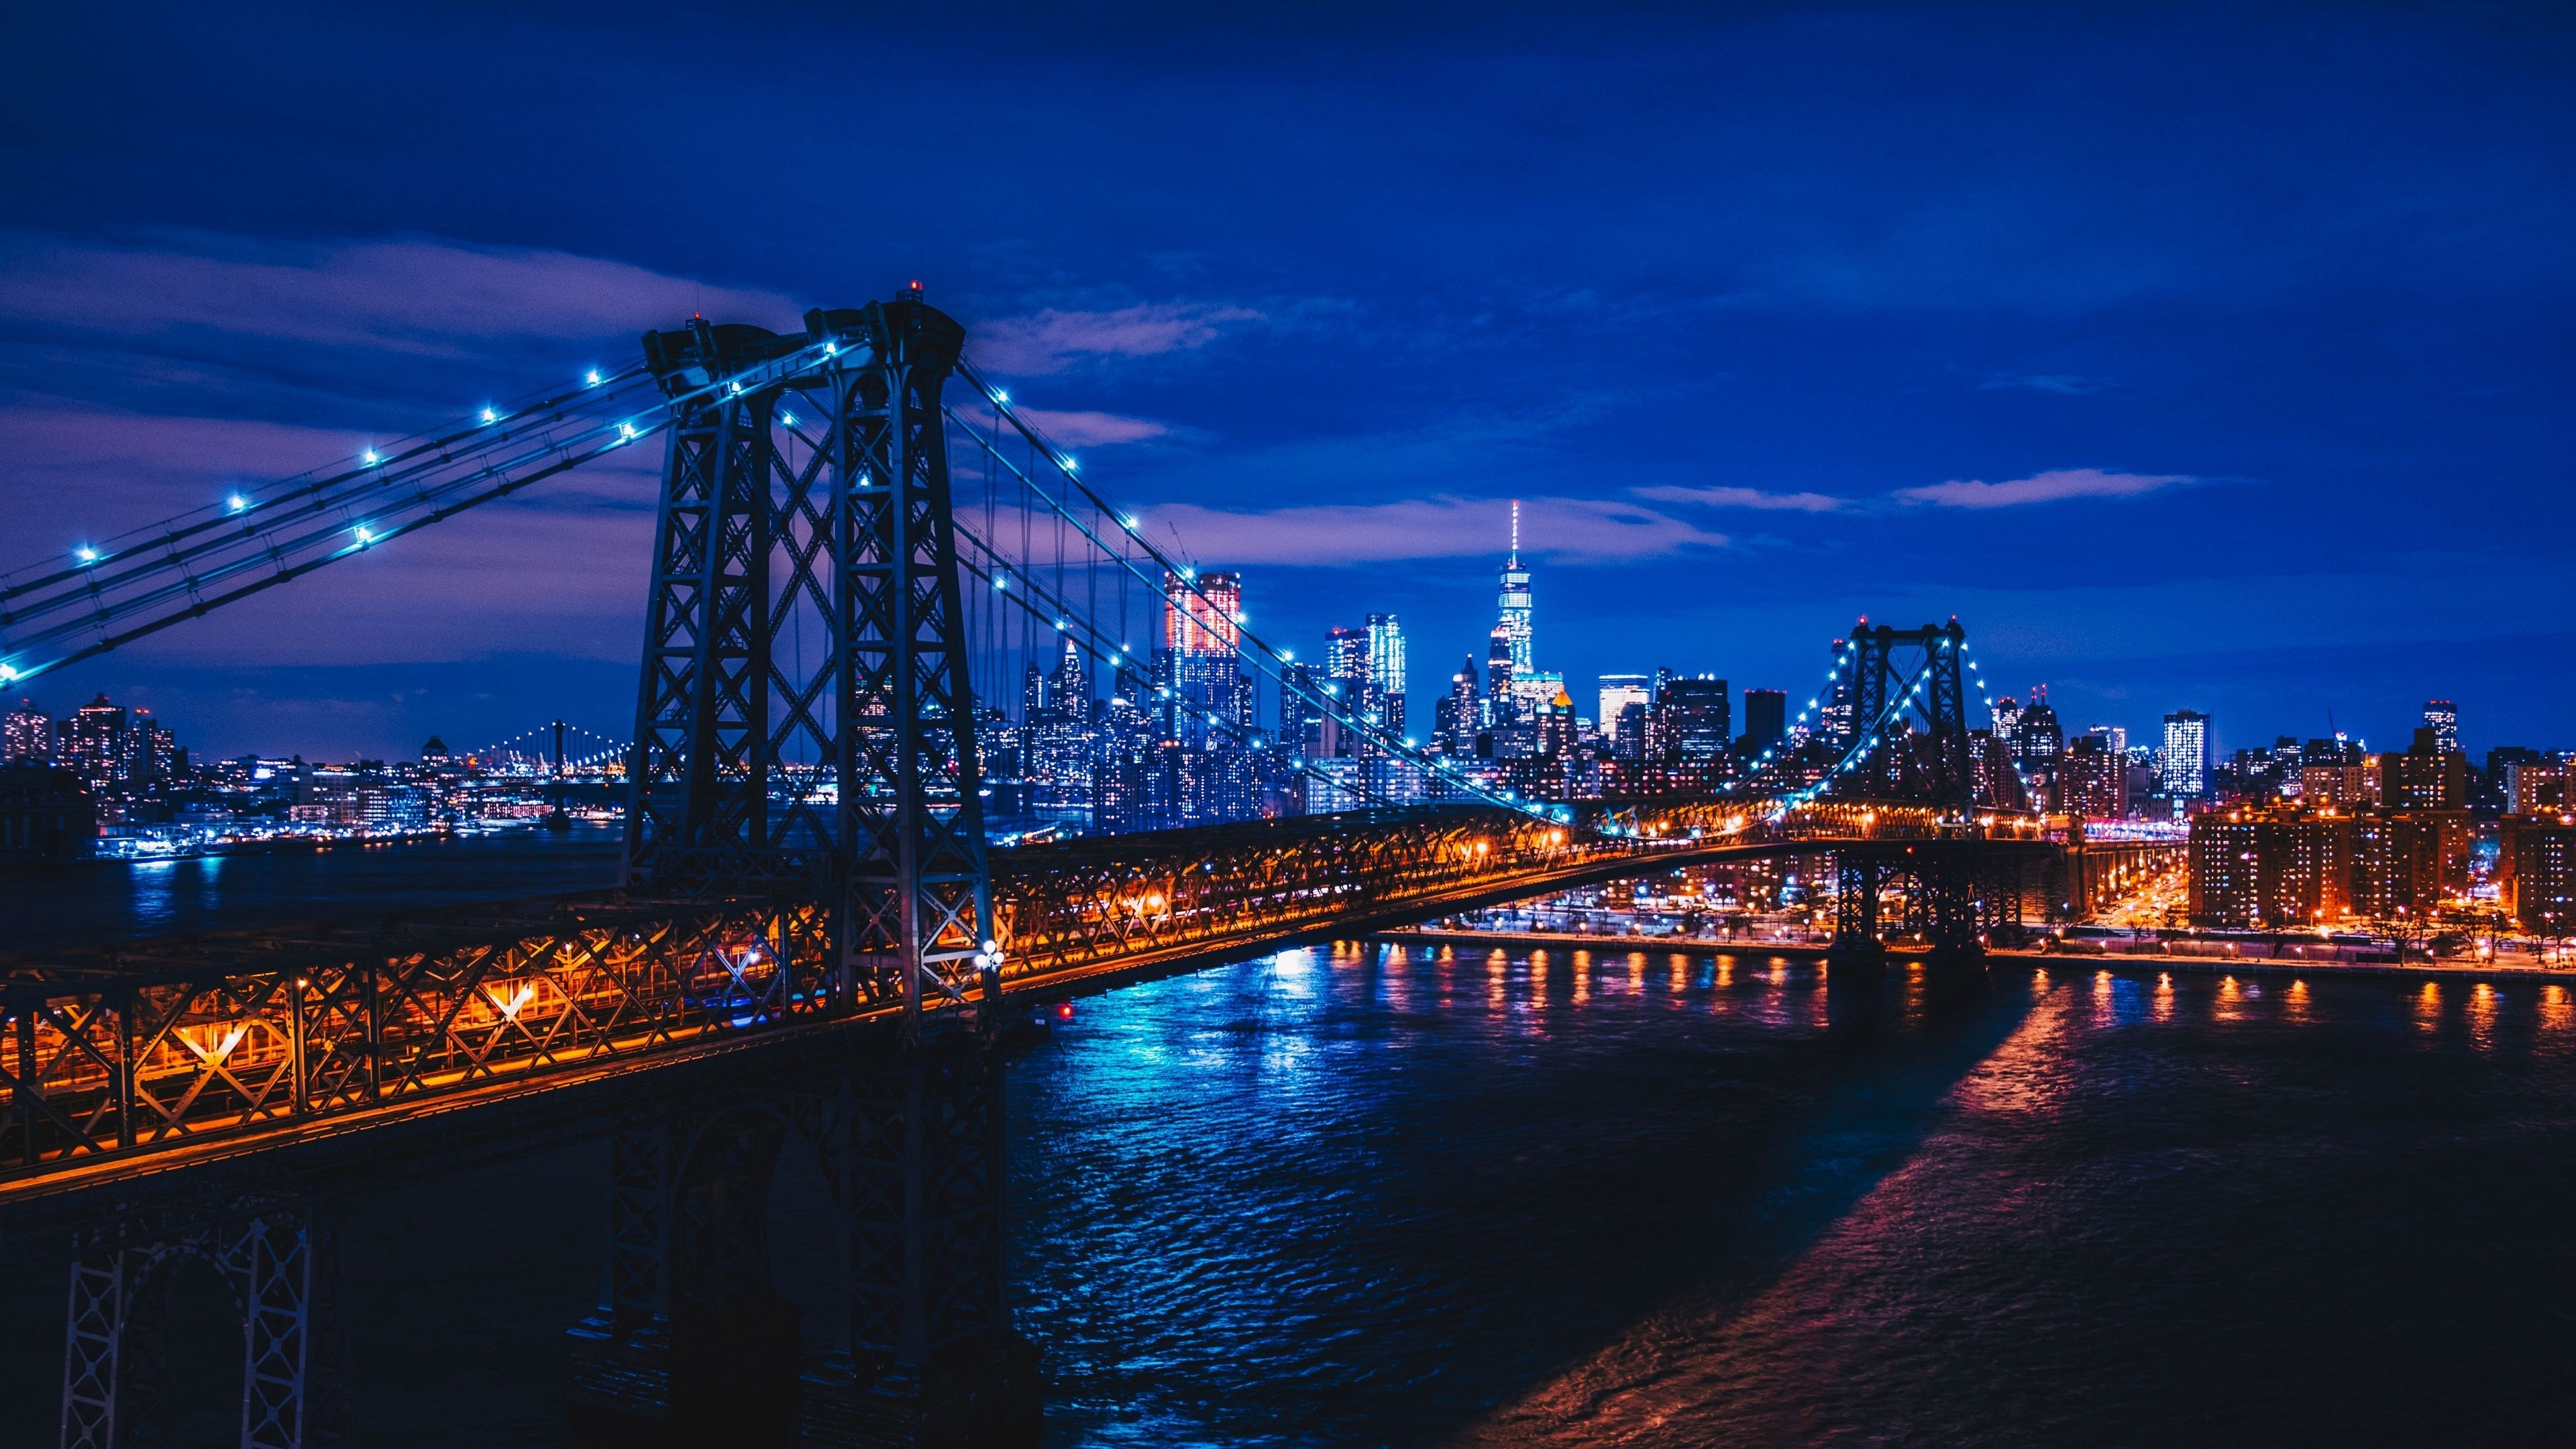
(1515, 603)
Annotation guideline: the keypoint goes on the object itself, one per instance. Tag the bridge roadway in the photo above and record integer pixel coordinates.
(450, 1032)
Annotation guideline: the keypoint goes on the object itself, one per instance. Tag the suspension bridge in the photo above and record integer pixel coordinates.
(814, 945)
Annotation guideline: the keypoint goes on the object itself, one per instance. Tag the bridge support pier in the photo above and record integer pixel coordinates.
(1856, 957)
(281, 1267)
(692, 1345)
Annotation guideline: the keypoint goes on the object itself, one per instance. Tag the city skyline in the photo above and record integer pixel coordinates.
(2079, 383)
(1198, 622)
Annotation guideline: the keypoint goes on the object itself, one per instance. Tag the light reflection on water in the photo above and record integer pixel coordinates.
(1537, 1205)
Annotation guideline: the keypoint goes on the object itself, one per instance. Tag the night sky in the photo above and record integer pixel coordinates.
(2216, 358)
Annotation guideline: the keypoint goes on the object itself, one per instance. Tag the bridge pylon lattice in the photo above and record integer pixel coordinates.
(1934, 767)
(804, 722)
(804, 715)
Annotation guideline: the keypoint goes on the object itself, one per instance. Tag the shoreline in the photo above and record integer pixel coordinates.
(2104, 961)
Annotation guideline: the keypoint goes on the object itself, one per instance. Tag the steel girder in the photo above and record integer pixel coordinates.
(1089, 906)
(916, 888)
(228, 1034)
(1936, 770)
(281, 1269)
(698, 777)
(805, 712)
(148, 1051)
(1958, 895)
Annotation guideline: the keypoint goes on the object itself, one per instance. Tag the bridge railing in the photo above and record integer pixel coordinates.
(165, 1049)
(1086, 903)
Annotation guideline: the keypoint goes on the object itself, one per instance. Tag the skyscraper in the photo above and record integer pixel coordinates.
(1766, 719)
(1500, 699)
(1618, 691)
(1301, 719)
(1202, 622)
(93, 743)
(1514, 601)
(1694, 722)
(2184, 761)
(1461, 712)
(2037, 740)
(2444, 718)
(1386, 669)
(1834, 713)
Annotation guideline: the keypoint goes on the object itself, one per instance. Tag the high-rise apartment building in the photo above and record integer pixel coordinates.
(2115, 738)
(2443, 718)
(2425, 776)
(2269, 868)
(2094, 780)
(26, 735)
(2183, 764)
(2537, 875)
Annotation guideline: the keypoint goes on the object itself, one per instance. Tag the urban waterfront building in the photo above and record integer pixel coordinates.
(2094, 781)
(2183, 763)
(2279, 869)
(45, 815)
(2536, 874)
(2288, 865)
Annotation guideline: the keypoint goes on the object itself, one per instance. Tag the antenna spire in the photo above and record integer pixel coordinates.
(1516, 531)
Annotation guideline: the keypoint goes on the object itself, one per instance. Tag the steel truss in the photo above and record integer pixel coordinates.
(143, 1052)
(1959, 896)
(816, 505)
(137, 1053)
(1935, 767)
(281, 1268)
(1125, 901)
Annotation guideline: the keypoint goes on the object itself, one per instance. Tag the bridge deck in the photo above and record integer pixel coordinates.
(141, 1059)
(144, 1058)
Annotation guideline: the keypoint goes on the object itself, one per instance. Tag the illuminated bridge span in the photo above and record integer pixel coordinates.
(813, 942)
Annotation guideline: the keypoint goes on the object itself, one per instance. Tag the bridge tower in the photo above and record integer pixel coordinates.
(1953, 899)
(804, 628)
(1934, 767)
(804, 726)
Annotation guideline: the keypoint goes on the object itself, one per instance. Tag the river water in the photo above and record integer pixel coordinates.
(1417, 1198)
